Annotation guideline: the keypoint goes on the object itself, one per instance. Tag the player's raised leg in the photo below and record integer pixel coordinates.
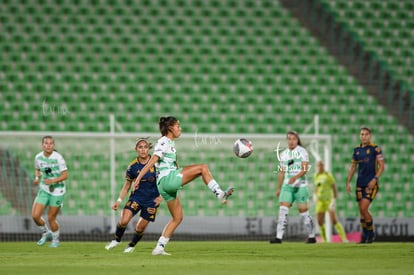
(191, 172)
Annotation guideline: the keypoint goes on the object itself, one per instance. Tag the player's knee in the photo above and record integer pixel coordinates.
(37, 219)
(178, 219)
(122, 223)
(204, 168)
(140, 230)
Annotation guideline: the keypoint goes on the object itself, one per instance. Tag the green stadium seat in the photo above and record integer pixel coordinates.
(222, 66)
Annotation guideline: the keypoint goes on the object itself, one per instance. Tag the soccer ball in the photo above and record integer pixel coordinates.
(243, 148)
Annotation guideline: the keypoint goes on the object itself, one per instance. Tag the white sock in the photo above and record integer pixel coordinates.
(309, 225)
(282, 221)
(55, 235)
(162, 242)
(215, 188)
(43, 228)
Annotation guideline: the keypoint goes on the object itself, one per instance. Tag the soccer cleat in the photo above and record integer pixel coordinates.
(370, 238)
(158, 251)
(54, 244)
(363, 238)
(129, 249)
(226, 194)
(311, 240)
(111, 245)
(275, 240)
(45, 236)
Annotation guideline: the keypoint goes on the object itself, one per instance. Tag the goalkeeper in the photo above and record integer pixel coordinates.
(325, 198)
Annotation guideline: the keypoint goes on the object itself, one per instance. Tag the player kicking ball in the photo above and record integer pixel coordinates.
(170, 178)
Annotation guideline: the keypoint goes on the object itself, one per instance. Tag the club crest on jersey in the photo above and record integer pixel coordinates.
(368, 151)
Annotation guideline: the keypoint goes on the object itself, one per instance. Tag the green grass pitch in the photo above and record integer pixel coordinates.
(216, 257)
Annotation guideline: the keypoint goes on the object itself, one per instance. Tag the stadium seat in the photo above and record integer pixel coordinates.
(221, 67)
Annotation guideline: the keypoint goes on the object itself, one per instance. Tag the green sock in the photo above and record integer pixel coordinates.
(340, 229)
(323, 232)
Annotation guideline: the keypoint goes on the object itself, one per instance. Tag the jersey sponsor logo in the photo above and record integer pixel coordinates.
(151, 210)
(48, 171)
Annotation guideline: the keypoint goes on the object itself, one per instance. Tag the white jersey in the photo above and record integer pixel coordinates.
(291, 164)
(165, 150)
(51, 167)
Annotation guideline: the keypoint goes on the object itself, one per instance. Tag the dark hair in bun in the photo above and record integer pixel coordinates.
(165, 123)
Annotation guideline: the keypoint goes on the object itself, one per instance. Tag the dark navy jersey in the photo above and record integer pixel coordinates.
(367, 160)
(147, 191)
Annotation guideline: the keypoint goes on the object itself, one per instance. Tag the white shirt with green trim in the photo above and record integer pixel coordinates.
(291, 164)
(51, 167)
(165, 150)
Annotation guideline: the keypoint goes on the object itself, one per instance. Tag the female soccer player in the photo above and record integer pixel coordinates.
(292, 186)
(145, 199)
(325, 197)
(50, 174)
(370, 161)
(170, 178)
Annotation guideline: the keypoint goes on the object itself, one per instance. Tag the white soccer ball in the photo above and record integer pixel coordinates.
(243, 148)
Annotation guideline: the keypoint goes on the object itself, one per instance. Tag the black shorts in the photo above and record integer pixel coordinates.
(364, 193)
(147, 213)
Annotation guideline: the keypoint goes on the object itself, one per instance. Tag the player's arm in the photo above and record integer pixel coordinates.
(122, 194)
(332, 205)
(350, 175)
(303, 171)
(145, 170)
(381, 166)
(158, 200)
(38, 174)
(280, 179)
(315, 191)
(63, 176)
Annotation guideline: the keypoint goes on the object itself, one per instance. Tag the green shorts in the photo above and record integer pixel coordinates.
(291, 194)
(169, 185)
(322, 206)
(47, 199)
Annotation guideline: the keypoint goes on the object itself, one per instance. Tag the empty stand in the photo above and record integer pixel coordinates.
(219, 66)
